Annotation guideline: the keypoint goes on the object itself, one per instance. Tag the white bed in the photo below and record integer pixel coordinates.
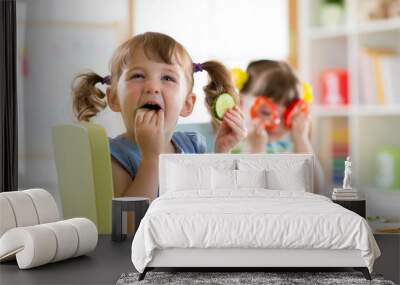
(247, 211)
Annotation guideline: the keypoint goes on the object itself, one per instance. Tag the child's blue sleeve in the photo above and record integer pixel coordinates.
(198, 141)
(123, 157)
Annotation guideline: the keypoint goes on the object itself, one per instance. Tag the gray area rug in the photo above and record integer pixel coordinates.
(225, 278)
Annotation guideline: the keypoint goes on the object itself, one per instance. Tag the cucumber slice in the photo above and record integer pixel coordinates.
(221, 104)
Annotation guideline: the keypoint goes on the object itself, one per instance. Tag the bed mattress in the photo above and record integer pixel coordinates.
(250, 219)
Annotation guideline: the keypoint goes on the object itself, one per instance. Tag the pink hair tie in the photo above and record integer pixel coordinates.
(197, 67)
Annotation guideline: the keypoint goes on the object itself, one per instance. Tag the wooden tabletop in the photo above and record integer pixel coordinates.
(388, 228)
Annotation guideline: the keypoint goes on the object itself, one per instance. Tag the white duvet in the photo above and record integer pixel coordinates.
(252, 218)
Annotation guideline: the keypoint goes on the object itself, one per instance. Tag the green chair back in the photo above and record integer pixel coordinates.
(83, 163)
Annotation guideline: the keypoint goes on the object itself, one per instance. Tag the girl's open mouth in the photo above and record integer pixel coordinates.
(151, 106)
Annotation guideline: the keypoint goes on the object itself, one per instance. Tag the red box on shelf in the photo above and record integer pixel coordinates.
(334, 86)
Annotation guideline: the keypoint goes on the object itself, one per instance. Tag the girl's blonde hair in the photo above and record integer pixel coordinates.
(88, 100)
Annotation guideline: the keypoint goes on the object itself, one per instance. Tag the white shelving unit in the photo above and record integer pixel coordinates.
(369, 126)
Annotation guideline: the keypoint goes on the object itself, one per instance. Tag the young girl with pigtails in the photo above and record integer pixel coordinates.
(275, 104)
(151, 84)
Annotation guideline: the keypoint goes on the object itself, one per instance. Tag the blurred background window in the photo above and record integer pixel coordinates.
(234, 32)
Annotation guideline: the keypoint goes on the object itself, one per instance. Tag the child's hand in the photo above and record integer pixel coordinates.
(300, 130)
(149, 132)
(231, 131)
(258, 136)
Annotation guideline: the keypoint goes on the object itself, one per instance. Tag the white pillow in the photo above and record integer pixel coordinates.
(294, 180)
(282, 173)
(251, 178)
(224, 179)
(183, 177)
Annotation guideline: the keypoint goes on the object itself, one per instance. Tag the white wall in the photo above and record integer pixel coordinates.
(61, 38)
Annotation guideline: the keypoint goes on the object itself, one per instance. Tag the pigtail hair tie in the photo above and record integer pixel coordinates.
(197, 67)
(106, 80)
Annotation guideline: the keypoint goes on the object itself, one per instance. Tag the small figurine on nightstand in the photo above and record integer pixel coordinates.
(347, 192)
(347, 196)
(347, 174)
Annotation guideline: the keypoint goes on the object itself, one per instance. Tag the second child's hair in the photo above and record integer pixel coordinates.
(254, 70)
(279, 83)
(88, 100)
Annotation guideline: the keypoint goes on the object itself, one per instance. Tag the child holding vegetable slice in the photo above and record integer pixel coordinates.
(275, 107)
(151, 85)
(279, 115)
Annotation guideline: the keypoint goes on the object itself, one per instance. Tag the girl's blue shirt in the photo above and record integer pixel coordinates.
(284, 145)
(129, 156)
